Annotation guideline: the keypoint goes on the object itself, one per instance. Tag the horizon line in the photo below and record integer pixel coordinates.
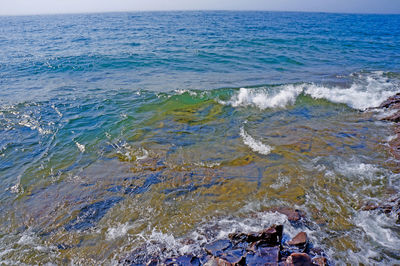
(194, 10)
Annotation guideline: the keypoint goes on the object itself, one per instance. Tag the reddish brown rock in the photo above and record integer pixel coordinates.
(395, 146)
(393, 118)
(390, 101)
(370, 207)
(292, 214)
(299, 259)
(299, 240)
(320, 261)
(271, 236)
(217, 262)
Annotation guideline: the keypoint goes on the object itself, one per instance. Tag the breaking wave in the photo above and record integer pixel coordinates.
(366, 90)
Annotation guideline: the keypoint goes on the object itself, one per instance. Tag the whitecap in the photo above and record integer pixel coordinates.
(81, 147)
(255, 145)
(366, 91)
(263, 99)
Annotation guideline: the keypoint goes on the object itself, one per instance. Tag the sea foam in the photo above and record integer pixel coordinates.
(255, 145)
(264, 99)
(367, 90)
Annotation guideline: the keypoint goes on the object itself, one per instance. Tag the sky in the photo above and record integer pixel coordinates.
(24, 7)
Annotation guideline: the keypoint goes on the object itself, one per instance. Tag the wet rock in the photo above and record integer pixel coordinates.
(217, 262)
(263, 256)
(320, 261)
(299, 240)
(393, 118)
(394, 145)
(391, 205)
(152, 262)
(89, 215)
(370, 207)
(139, 256)
(234, 256)
(183, 260)
(390, 101)
(217, 248)
(64, 246)
(271, 236)
(316, 251)
(256, 248)
(292, 214)
(298, 259)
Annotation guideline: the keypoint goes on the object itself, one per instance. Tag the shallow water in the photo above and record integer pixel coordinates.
(134, 131)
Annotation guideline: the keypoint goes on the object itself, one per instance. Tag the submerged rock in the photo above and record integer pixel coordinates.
(89, 215)
(391, 205)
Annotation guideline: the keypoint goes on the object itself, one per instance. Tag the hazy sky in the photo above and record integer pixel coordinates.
(18, 7)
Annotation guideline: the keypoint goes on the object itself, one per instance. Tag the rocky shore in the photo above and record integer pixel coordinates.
(270, 246)
(267, 247)
(392, 107)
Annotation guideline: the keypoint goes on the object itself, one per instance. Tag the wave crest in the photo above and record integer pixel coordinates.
(366, 91)
(255, 145)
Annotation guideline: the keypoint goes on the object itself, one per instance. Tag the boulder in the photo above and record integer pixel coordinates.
(263, 256)
(217, 262)
(270, 236)
(390, 101)
(393, 118)
(299, 240)
(299, 259)
(217, 248)
(183, 260)
(293, 215)
(320, 261)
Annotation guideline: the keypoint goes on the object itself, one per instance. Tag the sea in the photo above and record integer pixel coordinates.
(159, 132)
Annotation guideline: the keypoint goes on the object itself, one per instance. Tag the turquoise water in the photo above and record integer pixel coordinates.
(128, 130)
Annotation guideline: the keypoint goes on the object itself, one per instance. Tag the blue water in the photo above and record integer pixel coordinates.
(115, 128)
(196, 50)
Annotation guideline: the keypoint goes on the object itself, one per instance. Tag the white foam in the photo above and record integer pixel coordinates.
(255, 145)
(281, 181)
(265, 99)
(391, 138)
(17, 188)
(57, 111)
(33, 124)
(207, 164)
(144, 154)
(81, 147)
(379, 227)
(367, 90)
(118, 231)
(361, 171)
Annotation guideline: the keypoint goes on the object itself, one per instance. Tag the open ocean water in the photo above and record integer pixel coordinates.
(121, 131)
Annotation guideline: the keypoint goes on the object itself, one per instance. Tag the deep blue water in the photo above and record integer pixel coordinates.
(121, 131)
(189, 50)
